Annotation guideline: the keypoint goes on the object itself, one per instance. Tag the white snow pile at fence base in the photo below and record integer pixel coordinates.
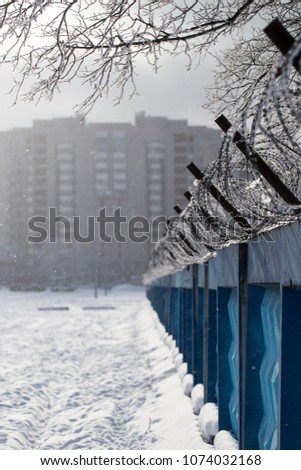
(182, 370)
(207, 414)
(208, 421)
(197, 398)
(188, 384)
(178, 360)
(225, 441)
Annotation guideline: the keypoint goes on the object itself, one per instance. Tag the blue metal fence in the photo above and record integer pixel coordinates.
(239, 329)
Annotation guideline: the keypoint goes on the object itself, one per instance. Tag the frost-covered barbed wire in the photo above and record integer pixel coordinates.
(270, 126)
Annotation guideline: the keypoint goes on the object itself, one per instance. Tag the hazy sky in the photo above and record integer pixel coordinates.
(173, 92)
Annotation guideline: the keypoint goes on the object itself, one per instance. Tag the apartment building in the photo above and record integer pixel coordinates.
(76, 169)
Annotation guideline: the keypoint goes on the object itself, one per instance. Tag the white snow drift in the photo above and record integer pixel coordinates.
(89, 379)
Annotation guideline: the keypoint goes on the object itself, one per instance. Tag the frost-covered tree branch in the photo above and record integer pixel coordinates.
(244, 69)
(99, 41)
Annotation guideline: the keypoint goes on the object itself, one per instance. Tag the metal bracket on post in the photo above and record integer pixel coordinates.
(177, 209)
(226, 205)
(282, 39)
(255, 159)
(188, 195)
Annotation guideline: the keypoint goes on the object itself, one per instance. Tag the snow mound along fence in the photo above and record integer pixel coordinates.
(225, 280)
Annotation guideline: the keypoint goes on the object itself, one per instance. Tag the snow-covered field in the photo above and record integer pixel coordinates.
(89, 379)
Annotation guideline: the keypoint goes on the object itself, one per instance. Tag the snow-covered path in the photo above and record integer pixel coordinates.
(88, 379)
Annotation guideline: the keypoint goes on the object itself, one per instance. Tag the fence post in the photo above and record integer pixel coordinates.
(181, 313)
(177, 209)
(170, 314)
(282, 39)
(210, 333)
(205, 330)
(174, 306)
(242, 332)
(188, 319)
(200, 325)
(195, 293)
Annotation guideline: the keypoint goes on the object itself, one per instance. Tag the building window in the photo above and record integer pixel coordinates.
(101, 176)
(64, 146)
(155, 177)
(66, 198)
(119, 165)
(100, 155)
(119, 176)
(101, 134)
(65, 177)
(119, 135)
(154, 187)
(119, 185)
(155, 197)
(64, 156)
(119, 155)
(101, 165)
(154, 165)
(155, 208)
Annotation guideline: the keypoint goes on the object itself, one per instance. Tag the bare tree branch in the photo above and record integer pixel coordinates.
(99, 41)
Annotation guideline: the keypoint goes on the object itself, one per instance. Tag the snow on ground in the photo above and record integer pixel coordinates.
(89, 379)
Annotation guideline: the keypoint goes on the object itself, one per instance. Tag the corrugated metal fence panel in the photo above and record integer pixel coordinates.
(224, 339)
(291, 254)
(198, 369)
(265, 260)
(255, 350)
(233, 360)
(206, 326)
(269, 369)
(290, 372)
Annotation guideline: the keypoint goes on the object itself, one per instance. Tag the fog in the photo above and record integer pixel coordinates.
(173, 92)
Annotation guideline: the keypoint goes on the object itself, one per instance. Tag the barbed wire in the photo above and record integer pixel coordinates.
(269, 127)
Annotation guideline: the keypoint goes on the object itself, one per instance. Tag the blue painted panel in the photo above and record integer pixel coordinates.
(253, 408)
(188, 329)
(156, 297)
(171, 312)
(166, 308)
(233, 361)
(181, 318)
(198, 366)
(224, 338)
(175, 313)
(212, 349)
(290, 389)
(269, 370)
